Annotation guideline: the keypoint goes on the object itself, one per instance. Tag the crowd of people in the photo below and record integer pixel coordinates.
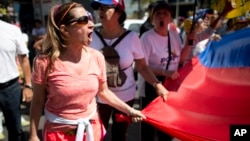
(65, 76)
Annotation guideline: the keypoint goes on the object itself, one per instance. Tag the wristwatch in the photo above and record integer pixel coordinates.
(28, 86)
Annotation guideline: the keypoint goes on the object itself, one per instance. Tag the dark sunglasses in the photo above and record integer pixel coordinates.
(81, 20)
(106, 7)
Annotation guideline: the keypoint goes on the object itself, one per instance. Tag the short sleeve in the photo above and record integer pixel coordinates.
(137, 46)
(20, 43)
(146, 46)
(39, 70)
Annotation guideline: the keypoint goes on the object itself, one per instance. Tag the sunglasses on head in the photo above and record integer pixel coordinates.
(81, 20)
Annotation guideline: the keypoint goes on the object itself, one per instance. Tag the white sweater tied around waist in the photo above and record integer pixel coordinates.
(82, 124)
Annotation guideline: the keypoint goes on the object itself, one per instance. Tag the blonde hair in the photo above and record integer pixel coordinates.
(54, 42)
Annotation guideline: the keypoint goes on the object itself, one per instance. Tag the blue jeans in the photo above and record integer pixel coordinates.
(10, 100)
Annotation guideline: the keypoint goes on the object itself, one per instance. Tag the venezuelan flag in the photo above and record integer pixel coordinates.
(212, 93)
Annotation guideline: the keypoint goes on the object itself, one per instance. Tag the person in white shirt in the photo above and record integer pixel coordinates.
(12, 46)
(164, 53)
(112, 16)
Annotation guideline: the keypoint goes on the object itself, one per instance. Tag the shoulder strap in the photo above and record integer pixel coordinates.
(120, 38)
(116, 42)
(169, 51)
(100, 36)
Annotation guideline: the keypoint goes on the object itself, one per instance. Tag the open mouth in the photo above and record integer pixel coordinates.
(161, 23)
(90, 36)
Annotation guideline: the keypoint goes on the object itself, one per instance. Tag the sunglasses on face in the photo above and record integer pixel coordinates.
(106, 7)
(81, 20)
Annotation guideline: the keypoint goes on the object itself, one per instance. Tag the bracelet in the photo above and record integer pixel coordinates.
(155, 83)
(28, 86)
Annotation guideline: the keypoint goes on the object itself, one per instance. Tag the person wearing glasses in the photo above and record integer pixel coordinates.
(112, 16)
(66, 78)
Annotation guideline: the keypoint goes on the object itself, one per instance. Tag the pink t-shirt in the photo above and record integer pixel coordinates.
(70, 96)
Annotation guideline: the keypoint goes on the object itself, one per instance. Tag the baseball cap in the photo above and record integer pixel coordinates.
(161, 5)
(202, 13)
(118, 3)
